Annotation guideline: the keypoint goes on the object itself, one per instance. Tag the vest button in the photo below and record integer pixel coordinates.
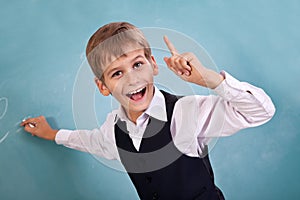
(148, 179)
(155, 196)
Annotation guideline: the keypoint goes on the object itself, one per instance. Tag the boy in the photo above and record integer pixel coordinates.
(160, 139)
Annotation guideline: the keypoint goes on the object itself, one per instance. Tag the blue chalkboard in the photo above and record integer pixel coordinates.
(42, 54)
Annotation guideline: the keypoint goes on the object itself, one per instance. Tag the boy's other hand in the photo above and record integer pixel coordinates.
(39, 127)
(189, 68)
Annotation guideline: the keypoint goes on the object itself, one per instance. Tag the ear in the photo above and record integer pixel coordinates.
(102, 87)
(154, 65)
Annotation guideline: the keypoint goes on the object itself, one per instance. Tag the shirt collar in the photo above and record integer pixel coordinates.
(156, 109)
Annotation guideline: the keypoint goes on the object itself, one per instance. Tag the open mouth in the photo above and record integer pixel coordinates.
(137, 94)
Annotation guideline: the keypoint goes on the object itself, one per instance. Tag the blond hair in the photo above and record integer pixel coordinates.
(110, 42)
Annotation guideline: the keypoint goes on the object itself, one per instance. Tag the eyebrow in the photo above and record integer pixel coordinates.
(138, 56)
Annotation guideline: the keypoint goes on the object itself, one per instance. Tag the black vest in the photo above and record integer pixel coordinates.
(159, 170)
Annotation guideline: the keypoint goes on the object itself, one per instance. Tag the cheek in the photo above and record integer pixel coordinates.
(116, 88)
(146, 73)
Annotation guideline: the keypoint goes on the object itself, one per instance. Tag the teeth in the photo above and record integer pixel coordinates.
(136, 91)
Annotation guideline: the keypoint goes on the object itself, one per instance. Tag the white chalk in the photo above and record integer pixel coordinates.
(31, 125)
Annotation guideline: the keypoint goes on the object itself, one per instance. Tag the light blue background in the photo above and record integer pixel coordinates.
(42, 43)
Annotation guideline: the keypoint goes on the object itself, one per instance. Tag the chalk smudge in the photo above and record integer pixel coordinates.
(5, 100)
(4, 137)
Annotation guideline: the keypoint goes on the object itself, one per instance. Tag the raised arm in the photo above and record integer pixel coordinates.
(238, 105)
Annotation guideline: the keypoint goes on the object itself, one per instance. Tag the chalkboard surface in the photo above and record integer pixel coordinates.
(42, 53)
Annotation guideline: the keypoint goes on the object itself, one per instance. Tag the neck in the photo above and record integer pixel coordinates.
(133, 116)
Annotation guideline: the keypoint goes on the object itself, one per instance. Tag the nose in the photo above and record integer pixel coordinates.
(132, 77)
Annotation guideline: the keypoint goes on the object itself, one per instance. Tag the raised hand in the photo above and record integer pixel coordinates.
(189, 68)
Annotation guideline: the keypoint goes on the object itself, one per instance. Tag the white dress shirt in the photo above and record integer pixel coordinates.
(196, 120)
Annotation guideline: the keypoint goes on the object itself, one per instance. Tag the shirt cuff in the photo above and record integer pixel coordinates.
(62, 136)
(230, 87)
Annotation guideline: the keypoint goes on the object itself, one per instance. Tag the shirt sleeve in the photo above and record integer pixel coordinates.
(244, 105)
(198, 119)
(99, 142)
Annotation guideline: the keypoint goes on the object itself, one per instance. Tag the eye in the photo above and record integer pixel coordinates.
(137, 64)
(116, 74)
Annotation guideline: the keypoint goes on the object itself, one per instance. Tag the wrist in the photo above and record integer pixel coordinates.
(214, 80)
(51, 135)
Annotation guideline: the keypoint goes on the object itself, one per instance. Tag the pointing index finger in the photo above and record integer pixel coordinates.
(170, 46)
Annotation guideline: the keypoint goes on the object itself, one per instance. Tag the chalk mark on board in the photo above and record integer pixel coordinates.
(5, 100)
(4, 137)
(5, 108)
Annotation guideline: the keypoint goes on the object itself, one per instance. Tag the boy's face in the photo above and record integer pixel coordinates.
(130, 80)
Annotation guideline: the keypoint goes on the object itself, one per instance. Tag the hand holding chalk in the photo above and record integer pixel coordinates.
(30, 124)
(39, 127)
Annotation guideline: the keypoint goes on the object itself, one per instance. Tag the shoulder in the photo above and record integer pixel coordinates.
(108, 135)
(182, 99)
(196, 98)
(169, 98)
(193, 103)
(107, 128)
